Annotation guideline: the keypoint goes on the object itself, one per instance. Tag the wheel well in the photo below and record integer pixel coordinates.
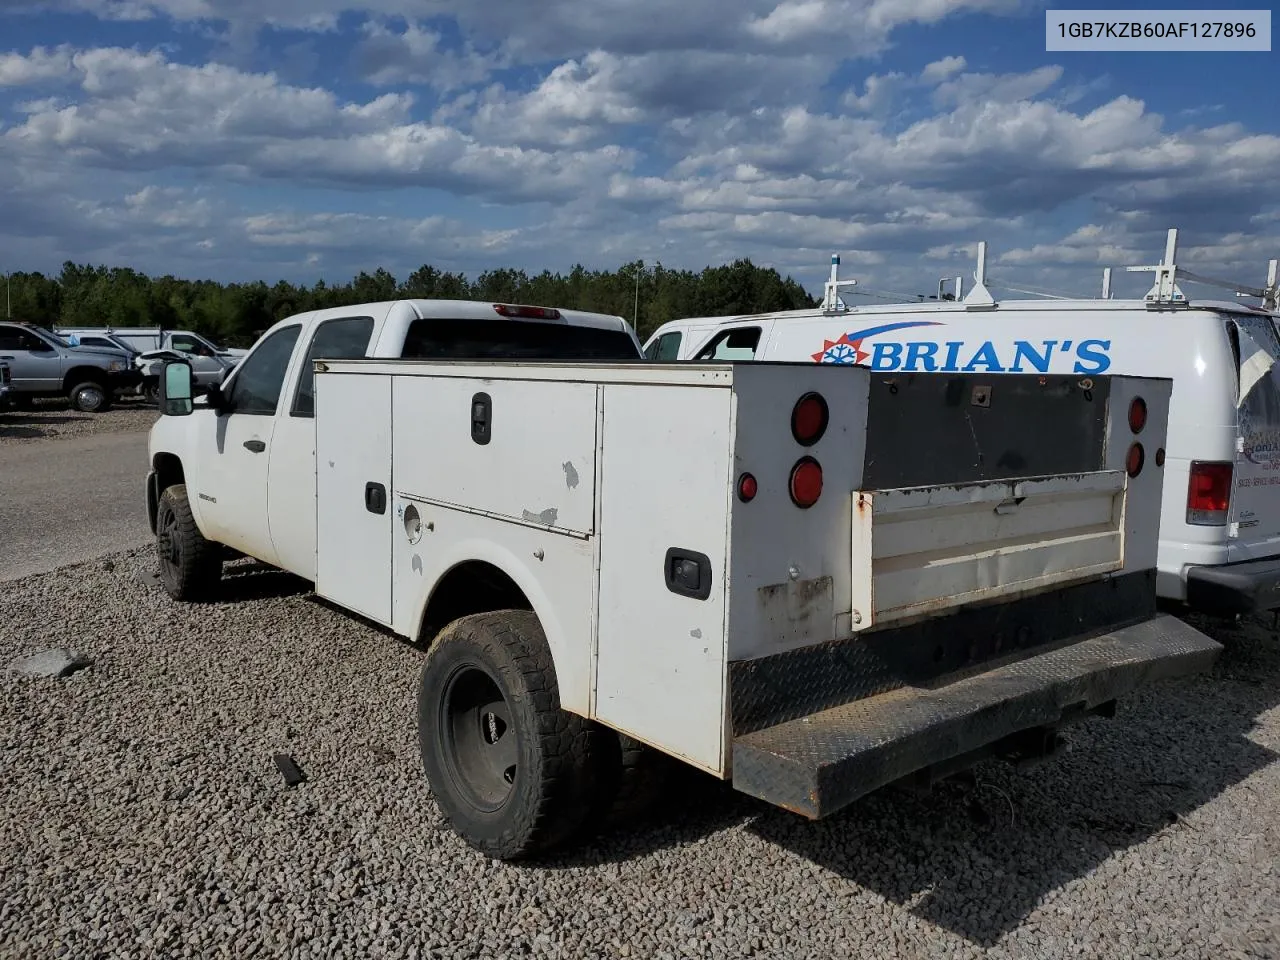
(78, 375)
(470, 587)
(166, 471)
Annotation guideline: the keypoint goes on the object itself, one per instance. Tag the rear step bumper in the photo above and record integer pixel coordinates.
(816, 765)
(1252, 586)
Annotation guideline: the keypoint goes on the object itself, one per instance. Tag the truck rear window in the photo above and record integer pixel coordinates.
(450, 339)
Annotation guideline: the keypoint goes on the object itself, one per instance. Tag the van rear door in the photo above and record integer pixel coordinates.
(1255, 496)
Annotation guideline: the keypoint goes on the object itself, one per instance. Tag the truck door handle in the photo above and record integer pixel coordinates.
(255, 446)
(375, 498)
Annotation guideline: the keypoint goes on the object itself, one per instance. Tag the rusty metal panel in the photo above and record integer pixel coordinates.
(927, 430)
(771, 690)
(818, 764)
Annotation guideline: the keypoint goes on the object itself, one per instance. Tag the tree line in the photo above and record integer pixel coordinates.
(236, 313)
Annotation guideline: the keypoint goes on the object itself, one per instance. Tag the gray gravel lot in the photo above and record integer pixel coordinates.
(71, 486)
(141, 815)
(54, 418)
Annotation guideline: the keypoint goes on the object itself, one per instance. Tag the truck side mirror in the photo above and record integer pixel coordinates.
(176, 393)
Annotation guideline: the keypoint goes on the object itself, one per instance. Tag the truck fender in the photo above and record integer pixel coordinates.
(572, 665)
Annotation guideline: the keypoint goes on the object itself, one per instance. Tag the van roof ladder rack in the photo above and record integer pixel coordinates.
(1165, 290)
(831, 302)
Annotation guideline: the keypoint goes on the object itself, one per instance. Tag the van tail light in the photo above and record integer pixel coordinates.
(1208, 493)
(806, 482)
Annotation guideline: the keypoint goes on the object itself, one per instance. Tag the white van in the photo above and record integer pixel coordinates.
(1220, 522)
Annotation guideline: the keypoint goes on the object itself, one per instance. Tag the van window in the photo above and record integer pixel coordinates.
(1257, 351)
(459, 339)
(665, 349)
(738, 343)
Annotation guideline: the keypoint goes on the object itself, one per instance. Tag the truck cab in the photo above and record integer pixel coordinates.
(259, 422)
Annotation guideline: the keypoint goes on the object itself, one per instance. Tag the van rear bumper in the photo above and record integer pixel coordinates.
(817, 764)
(1252, 586)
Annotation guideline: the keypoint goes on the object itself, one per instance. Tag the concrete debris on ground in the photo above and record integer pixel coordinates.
(140, 816)
(50, 663)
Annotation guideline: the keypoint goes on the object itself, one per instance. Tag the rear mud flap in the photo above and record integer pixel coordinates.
(817, 764)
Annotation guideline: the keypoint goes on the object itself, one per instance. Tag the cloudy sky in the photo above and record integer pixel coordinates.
(246, 139)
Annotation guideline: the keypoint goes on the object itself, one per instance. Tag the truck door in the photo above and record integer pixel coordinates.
(36, 366)
(291, 498)
(234, 449)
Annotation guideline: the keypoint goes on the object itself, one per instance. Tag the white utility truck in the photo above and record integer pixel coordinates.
(809, 581)
(1220, 526)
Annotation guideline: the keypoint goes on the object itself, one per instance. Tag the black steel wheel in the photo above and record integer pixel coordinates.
(478, 744)
(508, 767)
(190, 565)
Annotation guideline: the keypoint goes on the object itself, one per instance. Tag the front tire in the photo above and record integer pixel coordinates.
(89, 397)
(190, 565)
(509, 768)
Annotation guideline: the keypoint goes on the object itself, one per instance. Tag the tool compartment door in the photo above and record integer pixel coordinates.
(665, 489)
(353, 492)
(516, 449)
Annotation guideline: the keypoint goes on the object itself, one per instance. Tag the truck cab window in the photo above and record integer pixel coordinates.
(344, 339)
(191, 345)
(15, 338)
(737, 344)
(459, 339)
(665, 349)
(255, 388)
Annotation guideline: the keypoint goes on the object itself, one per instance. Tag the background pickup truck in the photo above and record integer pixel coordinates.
(209, 363)
(44, 365)
(809, 581)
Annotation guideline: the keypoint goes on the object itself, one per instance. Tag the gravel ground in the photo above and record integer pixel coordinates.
(141, 815)
(55, 418)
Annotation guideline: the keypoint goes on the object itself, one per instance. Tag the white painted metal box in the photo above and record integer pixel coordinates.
(657, 518)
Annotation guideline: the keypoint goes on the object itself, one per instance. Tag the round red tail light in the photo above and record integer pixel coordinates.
(806, 482)
(809, 419)
(1137, 414)
(1133, 462)
(747, 488)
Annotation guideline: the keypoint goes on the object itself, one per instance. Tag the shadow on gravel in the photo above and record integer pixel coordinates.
(977, 861)
(28, 426)
(243, 581)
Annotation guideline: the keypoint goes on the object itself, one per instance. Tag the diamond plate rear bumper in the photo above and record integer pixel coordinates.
(817, 764)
